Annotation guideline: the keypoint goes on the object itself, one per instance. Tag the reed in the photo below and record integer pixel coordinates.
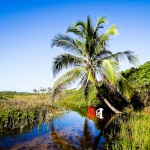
(134, 133)
(24, 110)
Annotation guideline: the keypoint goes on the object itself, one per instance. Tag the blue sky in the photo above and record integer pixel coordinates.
(28, 26)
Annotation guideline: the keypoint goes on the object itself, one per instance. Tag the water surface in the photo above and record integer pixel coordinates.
(69, 131)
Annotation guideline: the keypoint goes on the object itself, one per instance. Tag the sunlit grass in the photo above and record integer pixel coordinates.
(134, 134)
(74, 100)
(80, 106)
(23, 110)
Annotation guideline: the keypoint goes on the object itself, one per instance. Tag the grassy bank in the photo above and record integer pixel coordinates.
(139, 79)
(74, 100)
(22, 110)
(134, 133)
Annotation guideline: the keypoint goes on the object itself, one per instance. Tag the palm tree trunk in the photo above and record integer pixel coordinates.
(104, 100)
(112, 107)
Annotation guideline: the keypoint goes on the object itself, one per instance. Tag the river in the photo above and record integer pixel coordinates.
(68, 131)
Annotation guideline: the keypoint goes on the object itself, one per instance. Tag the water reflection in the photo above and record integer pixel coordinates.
(86, 140)
(70, 131)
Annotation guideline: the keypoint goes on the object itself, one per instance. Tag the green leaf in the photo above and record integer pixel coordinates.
(110, 69)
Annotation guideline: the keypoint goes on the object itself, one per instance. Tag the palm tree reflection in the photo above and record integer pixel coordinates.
(86, 141)
(59, 140)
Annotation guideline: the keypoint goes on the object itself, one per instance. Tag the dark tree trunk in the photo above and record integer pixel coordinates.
(104, 101)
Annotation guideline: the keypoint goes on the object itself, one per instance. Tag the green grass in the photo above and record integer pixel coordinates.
(23, 110)
(133, 135)
(5, 95)
(74, 100)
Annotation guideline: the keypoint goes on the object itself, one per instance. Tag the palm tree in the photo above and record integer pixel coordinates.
(88, 58)
(49, 90)
(35, 90)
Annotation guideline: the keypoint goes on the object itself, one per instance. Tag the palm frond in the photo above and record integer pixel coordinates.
(66, 80)
(99, 22)
(83, 80)
(64, 61)
(82, 46)
(113, 30)
(75, 30)
(110, 32)
(133, 59)
(80, 24)
(110, 69)
(65, 42)
(124, 88)
(100, 54)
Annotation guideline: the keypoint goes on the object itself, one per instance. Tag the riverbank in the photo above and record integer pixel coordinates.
(133, 134)
(134, 131)
(19, 111)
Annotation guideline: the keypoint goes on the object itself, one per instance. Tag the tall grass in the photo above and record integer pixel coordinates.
(134, 134)
(23, 110)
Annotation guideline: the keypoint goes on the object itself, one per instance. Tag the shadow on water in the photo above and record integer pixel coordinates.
(70, 131)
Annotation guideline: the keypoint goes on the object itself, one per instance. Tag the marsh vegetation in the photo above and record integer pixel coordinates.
(133, 134)
(20, 110)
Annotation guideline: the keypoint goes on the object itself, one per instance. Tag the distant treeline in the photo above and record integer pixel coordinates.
(4, 95)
